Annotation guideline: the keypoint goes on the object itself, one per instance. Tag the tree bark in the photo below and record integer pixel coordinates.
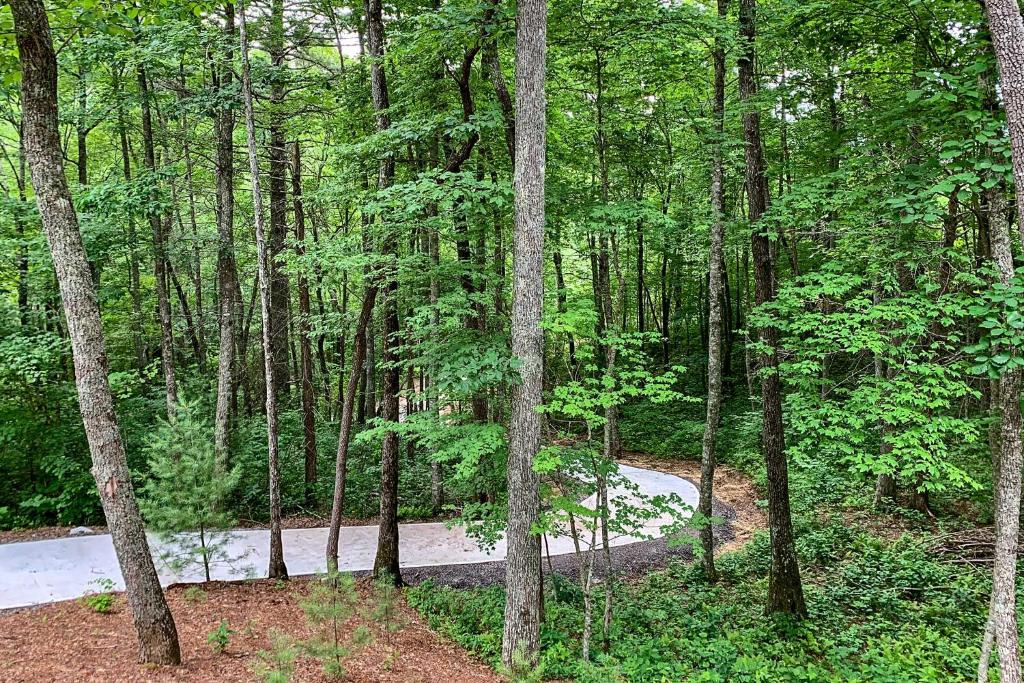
(785, 591)
(305, 345)
(521, 637)
(1007, 33)
(386, 562)
(277, 569)
(341, 464)
(278, 165)
(154, 625)
(227, 274)
(715, 285)
(159, 252)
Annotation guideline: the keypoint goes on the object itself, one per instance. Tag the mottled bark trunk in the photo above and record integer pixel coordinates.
(1007, 32)
(785, 591)
(386, 562)
(227, 274)
(277, 569)
(305, 344)
(521, 637)
(277, 185)
(154, 625)
(715, 285)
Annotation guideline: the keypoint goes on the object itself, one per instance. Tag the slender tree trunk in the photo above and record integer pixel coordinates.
(386, 561)
(19, 227)
(277, 569)
(278, 165)
(785, 591)
(715, 284)
(305, 345)
(436, 472)
(154, 625)
(348, 404)
(521, 638)
(159, 253)
(81, 126)
(134, 285)
(227, 274)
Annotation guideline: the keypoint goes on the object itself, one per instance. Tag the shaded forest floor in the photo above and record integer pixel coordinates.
(70, 642)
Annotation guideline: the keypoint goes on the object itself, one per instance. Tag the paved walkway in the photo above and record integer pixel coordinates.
(39, 572)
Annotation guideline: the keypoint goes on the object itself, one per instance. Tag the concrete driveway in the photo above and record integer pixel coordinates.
(39, 572)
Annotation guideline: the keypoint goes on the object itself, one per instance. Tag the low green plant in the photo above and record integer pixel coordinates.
(100, 601)
(194, 594)
(220, 637)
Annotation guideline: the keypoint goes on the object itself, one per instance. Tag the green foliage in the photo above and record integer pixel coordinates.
(184, 498)
(882, 613)
(220, 637)
(100, 600)
(333, 599)
(386, 612)
(277, 665)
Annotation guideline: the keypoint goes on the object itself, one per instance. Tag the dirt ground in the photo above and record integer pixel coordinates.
(69, 642)
(732, 487)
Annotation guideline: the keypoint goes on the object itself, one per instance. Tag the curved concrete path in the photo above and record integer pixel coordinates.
(39, 572)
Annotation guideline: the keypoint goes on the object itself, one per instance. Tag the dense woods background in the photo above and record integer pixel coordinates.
(785, 235)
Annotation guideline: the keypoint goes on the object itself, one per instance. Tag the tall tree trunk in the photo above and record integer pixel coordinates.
(277, 569)
(1007, 32)
(386, 563)
(159, 252)
(19, 227)
(278, 158)
(305, 345)
(521, 637)
(154, 625)
(134, 285)
(785, 592)
(715, 284)
(341, 464)
(81, 126)
(227, 274)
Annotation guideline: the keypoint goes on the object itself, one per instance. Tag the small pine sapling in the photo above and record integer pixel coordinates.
(184, 498)
(385, 607)
(332, 600)
(277, 665)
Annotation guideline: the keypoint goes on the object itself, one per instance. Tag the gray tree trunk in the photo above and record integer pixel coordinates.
(521, 638)
(277, 569)
(1007, 32)
(227, 274)
(277, 186)
(715, 285)
(154, 625)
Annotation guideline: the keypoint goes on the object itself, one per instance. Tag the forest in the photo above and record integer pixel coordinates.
(493, 340)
